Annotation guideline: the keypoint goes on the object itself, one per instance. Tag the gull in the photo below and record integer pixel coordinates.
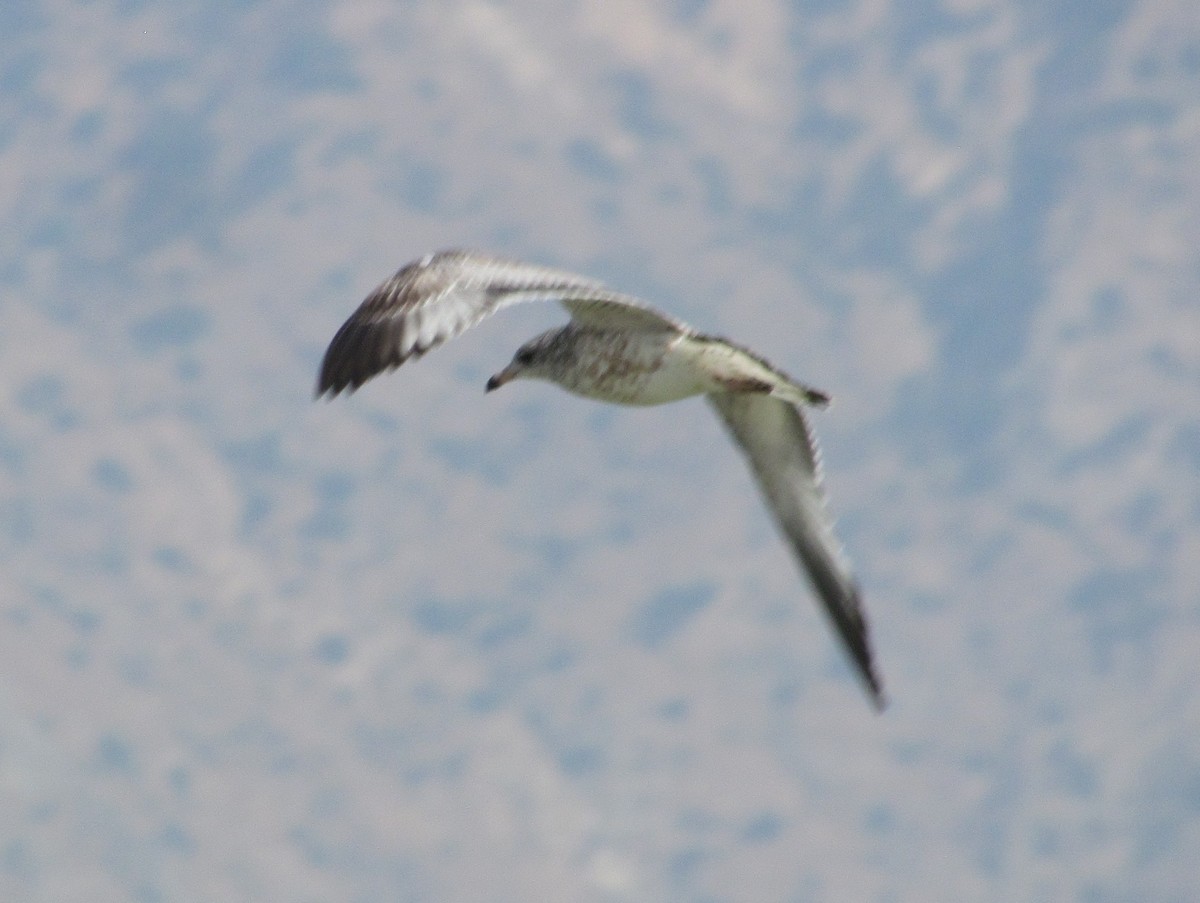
(618, 349)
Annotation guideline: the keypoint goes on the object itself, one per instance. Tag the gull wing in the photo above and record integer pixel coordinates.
(783, 455)
(432, 300)
(611, 310)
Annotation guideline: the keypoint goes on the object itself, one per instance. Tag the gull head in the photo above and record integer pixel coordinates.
(539, 358)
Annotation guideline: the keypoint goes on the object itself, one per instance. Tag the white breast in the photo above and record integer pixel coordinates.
(633, 368)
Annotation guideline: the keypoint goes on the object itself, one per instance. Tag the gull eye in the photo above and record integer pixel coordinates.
(524, 356)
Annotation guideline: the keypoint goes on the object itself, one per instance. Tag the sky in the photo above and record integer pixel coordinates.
(427, 644)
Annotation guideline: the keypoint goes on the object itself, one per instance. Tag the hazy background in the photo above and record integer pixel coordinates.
(424, 644)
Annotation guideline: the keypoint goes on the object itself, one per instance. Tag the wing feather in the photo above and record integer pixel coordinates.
(432, 300)
(612, 310)
(783, 455)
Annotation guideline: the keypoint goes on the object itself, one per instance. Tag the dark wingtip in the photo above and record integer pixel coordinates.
(327, 383)
(864, 660)
(344, 367)
(817, 398)
(326, 391)
(851, 625)
(330, 387)
(879, 699)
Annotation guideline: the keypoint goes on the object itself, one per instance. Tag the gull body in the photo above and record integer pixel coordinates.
(619, 350)
(644, 368)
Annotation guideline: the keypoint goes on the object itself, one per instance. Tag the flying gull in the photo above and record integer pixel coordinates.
(618, 349)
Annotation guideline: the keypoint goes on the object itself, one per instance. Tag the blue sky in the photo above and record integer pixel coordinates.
(427, 644)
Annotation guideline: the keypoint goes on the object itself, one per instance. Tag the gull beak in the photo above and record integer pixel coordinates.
(508, 374)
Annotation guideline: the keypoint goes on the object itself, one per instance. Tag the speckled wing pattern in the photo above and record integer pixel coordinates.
(784, 457)
(432, 300)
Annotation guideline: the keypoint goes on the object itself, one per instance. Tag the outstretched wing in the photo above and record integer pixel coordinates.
(434, 299)
(784, 457)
